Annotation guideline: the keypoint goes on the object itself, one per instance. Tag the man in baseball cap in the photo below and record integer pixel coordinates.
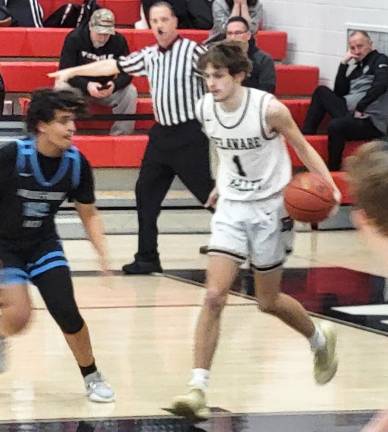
(102, 21)
(99, 41)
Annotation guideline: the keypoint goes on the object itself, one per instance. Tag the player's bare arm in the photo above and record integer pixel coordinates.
(213, 196)
(279, 119)
(94, 69)
(94, 228)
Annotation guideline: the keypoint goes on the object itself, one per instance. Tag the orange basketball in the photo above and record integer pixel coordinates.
(309, 198)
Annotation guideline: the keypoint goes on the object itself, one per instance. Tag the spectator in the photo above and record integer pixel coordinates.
(196, 14)
(99, 41)
(263, 75)
(359, 103)
(251, 10)
(180, 10)
(177, 145)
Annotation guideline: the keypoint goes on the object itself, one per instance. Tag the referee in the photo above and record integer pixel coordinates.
(176, 144)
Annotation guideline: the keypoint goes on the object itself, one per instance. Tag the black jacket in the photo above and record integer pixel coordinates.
(263, 76)
(78, 50)
(374, 68)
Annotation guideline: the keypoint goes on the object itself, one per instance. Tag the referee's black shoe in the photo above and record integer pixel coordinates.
(142, 267)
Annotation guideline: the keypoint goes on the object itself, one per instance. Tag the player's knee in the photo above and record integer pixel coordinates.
(69, 321)
(215, 300)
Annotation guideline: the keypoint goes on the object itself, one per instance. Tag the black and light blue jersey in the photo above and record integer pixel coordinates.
(31, 196)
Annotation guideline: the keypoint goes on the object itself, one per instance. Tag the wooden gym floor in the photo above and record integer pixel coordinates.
(142, 329)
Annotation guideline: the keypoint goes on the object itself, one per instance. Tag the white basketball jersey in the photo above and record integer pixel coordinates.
(253, 162)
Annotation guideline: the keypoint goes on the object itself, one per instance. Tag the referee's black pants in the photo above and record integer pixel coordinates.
(181, 150)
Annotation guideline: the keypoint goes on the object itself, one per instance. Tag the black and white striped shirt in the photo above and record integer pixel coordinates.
(175, 82)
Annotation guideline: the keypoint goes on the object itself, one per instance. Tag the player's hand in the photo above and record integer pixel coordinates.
(212, 199)
(104, 266)
(338, 198)
(337, 195)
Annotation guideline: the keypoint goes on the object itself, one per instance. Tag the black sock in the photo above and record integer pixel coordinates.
(87, 370)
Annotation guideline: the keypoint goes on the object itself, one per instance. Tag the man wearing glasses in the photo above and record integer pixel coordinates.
(263, 73)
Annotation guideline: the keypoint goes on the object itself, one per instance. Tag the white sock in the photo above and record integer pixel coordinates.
(317, 340)
(199, 379)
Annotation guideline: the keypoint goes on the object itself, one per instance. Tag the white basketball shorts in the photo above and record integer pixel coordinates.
(260, 231)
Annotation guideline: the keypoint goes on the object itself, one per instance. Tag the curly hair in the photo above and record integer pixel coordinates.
(45, 102)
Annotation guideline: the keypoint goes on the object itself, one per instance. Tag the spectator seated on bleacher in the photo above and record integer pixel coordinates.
(263, 76)
(21, 13)
(359, 103)
(251, 10)
(99, 41)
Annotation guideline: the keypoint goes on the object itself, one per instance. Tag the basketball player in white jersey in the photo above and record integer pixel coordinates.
(247, 126)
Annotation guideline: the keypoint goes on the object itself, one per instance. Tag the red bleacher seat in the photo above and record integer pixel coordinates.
(319, 142)
(48, 42)
(127, 12)
(292, 80)
(24, 77)
(110, 151)
(296, 80)
(297, 107)
(128, 151)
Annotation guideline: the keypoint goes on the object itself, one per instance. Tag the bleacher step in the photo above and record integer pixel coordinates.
(125, 222)
(123, 179)
(173, 222)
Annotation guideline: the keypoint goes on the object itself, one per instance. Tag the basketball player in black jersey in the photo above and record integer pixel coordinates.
(36, 175)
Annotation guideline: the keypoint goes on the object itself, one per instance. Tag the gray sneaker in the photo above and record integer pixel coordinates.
(3, 349)
(98, 390)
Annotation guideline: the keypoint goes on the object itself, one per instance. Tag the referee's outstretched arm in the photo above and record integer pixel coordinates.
(94, 69)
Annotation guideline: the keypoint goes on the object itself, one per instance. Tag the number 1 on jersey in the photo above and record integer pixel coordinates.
(240, 170)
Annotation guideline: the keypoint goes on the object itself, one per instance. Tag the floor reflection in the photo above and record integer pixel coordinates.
(323, 290)
(300, 422)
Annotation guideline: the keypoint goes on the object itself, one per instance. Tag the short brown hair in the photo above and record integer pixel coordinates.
(165, 4)
(368, 179)
(229, 55)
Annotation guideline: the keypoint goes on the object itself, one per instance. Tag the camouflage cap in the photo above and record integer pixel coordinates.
(103, 21)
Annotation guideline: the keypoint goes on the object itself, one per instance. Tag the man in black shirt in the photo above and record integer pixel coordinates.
(263, 76)
(359, 103)
(36, 175)
(99, 41)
